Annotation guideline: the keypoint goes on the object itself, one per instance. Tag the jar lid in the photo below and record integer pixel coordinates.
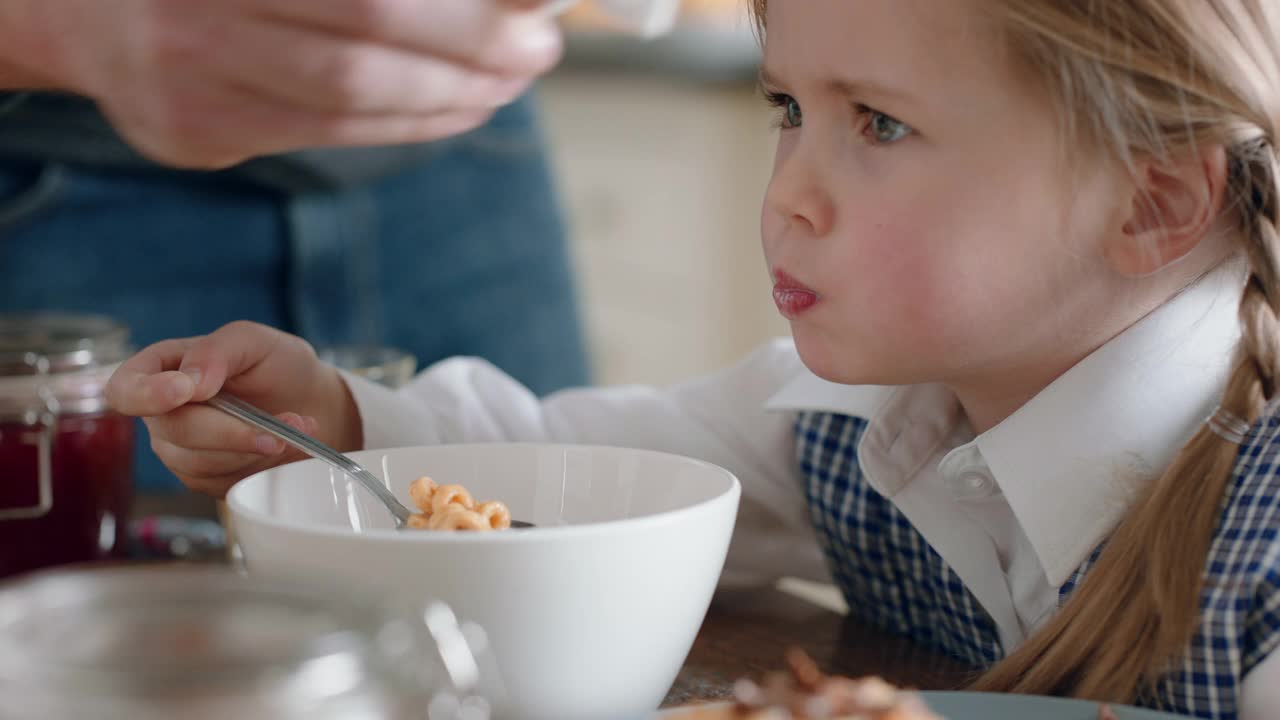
(57, 360)
(67, 342)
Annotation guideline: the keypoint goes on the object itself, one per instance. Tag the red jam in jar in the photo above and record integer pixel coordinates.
(66, 460)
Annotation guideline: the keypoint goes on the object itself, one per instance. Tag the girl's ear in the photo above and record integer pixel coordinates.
(1175, 204)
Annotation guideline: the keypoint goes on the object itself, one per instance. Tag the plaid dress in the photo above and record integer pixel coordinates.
(891, 577)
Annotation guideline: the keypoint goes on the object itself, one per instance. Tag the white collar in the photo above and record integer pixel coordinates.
(1069, 460)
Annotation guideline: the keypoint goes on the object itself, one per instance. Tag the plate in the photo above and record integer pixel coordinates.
(990, 706)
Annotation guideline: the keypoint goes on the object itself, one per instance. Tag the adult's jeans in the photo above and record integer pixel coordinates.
(461, 254)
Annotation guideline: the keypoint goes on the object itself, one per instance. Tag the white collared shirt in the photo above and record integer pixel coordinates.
(1014, 511)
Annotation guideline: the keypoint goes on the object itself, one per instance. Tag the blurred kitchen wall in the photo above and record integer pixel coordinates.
(662, 151)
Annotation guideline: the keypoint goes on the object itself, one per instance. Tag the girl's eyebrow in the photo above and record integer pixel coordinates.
(855, 90)
(766, 78)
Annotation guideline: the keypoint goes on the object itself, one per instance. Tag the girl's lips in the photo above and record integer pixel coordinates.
(792, 298)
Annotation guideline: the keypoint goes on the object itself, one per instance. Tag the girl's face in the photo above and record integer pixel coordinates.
(922, 222)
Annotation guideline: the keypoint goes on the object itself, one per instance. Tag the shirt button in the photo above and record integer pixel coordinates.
(966, 475)
(973, 484)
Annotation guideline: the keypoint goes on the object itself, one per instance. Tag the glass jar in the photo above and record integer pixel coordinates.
(204, 643)
(66, 460)
(388, 366)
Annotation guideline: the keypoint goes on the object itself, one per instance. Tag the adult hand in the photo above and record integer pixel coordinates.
(210, 83)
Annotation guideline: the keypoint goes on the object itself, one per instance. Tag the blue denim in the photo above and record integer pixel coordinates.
(463, 254)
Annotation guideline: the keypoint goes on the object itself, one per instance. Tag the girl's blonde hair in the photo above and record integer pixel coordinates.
(1153, 79)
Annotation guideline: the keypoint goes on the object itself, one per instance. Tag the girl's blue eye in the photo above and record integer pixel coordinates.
(882, 129)
(791, 115)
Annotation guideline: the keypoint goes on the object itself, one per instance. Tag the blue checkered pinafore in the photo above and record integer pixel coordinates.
(892, 578)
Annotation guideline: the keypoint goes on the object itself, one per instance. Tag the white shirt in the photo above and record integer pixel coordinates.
(1014, 511)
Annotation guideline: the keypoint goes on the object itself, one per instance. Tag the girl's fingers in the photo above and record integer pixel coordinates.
(214, 465)
(230, 351)
(213, 472)
(147, 384)
(204, 429)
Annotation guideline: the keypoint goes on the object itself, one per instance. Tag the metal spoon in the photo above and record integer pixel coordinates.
(238, 408)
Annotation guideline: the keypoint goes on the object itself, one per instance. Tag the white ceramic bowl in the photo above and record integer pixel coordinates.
(590, 616)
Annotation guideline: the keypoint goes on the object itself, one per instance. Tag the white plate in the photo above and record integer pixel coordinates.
(985, 706)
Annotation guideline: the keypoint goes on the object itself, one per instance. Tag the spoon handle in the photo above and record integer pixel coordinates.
(238, 408)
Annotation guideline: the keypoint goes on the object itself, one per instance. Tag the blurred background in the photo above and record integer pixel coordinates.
(662, 149)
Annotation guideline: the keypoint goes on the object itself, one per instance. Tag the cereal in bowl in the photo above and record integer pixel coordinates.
(451, 507)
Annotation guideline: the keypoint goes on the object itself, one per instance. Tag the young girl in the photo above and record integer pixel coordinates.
(1029, 253)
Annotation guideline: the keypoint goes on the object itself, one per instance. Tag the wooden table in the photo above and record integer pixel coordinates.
(745, 634)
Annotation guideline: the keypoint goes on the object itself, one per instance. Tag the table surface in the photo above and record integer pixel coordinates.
(747, 632)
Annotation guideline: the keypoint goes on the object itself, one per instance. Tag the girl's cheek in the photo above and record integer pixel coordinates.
(887, 257)
(898, 274)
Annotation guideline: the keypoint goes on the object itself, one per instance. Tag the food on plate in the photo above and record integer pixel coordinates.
(803, 692)
(451, 507)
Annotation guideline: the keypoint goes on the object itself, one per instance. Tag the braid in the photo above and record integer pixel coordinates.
(1155, 559)
(1255, 174)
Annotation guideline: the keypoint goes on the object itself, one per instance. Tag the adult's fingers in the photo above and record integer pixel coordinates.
(339, 75)
(240, 123)
(509, 38)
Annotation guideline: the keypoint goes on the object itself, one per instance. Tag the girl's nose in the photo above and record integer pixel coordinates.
(797, 192)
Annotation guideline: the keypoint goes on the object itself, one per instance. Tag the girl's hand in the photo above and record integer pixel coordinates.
(208, 450)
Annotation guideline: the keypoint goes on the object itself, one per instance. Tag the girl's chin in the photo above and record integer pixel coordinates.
(842, 365)
(823, 360)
